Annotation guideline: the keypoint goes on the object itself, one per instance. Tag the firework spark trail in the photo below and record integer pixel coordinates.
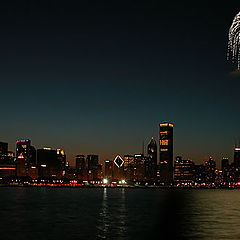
(234, 41)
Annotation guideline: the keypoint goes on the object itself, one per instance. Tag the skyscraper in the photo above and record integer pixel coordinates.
(118, 168)
(108, 173)
(49, 163)
(237, 157)
(3, 152)
(24, 148)
(7, 164)
(183, 170)
(92, 166)
(81, 167)
(151, 160)
(224, 163)
(129, 167)
(3, 148)
(61, 156)
(25, 156)
(210, 170)
(226, 170)
(166, 152)
(139, 167)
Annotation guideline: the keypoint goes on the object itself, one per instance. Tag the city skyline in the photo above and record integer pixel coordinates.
(143, 149)
(75, 80)
(50, 167)
(120, 119)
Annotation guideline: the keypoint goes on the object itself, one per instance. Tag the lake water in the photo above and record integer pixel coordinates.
(118, 213)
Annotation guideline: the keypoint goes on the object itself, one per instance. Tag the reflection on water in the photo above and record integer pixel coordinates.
(67, 213)
(112, 216)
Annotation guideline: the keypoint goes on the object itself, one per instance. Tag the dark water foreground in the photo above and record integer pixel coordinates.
(119, 213)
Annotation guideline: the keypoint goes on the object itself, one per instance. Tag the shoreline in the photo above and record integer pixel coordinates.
(118, 186)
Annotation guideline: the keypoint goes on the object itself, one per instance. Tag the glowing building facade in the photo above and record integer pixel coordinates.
(25, 157)
(92, 167)
(183, 170)
(166, 152)
(118, 168)
(7, 164)
(237, 157)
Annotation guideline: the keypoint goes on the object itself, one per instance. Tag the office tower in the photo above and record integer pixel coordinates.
(118, 168)
(5, 155)
(237, 157)
(24, 148)
(7, 164)
(25, 157)
(225, 163)
(21, 166)
(81, 168)
(128, 167)
(210, 170)
(49, 163)
(7, 170)
(236, 164)
(225, 167)
(3, 152)
(199, 174)
(139, 167)
(99, 171)
(92, 167)
(108, 173)
(166, 152)
(61, 156)
(183, 170)
(3, 149)
(151, 160)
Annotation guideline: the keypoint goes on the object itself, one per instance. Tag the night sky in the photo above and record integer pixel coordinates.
(98, 76)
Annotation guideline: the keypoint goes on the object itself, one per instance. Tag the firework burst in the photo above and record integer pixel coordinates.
(234, 41)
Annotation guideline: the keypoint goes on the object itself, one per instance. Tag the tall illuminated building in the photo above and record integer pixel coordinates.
(237, 157)
(24, 148)
(183, 170)
(118, 168)
(166, 152)
(92, 166)
(210, 170)
(62, 158)
(7, 163)
(129, 167)
(25, 157)
(151, 160)
(226, 170)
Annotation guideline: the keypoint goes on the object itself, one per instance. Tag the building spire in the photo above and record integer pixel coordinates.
(143, 148)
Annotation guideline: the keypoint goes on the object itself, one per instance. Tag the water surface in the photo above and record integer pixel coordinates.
(118, 213)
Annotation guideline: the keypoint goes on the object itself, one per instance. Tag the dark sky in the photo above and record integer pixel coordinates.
(98, 76)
